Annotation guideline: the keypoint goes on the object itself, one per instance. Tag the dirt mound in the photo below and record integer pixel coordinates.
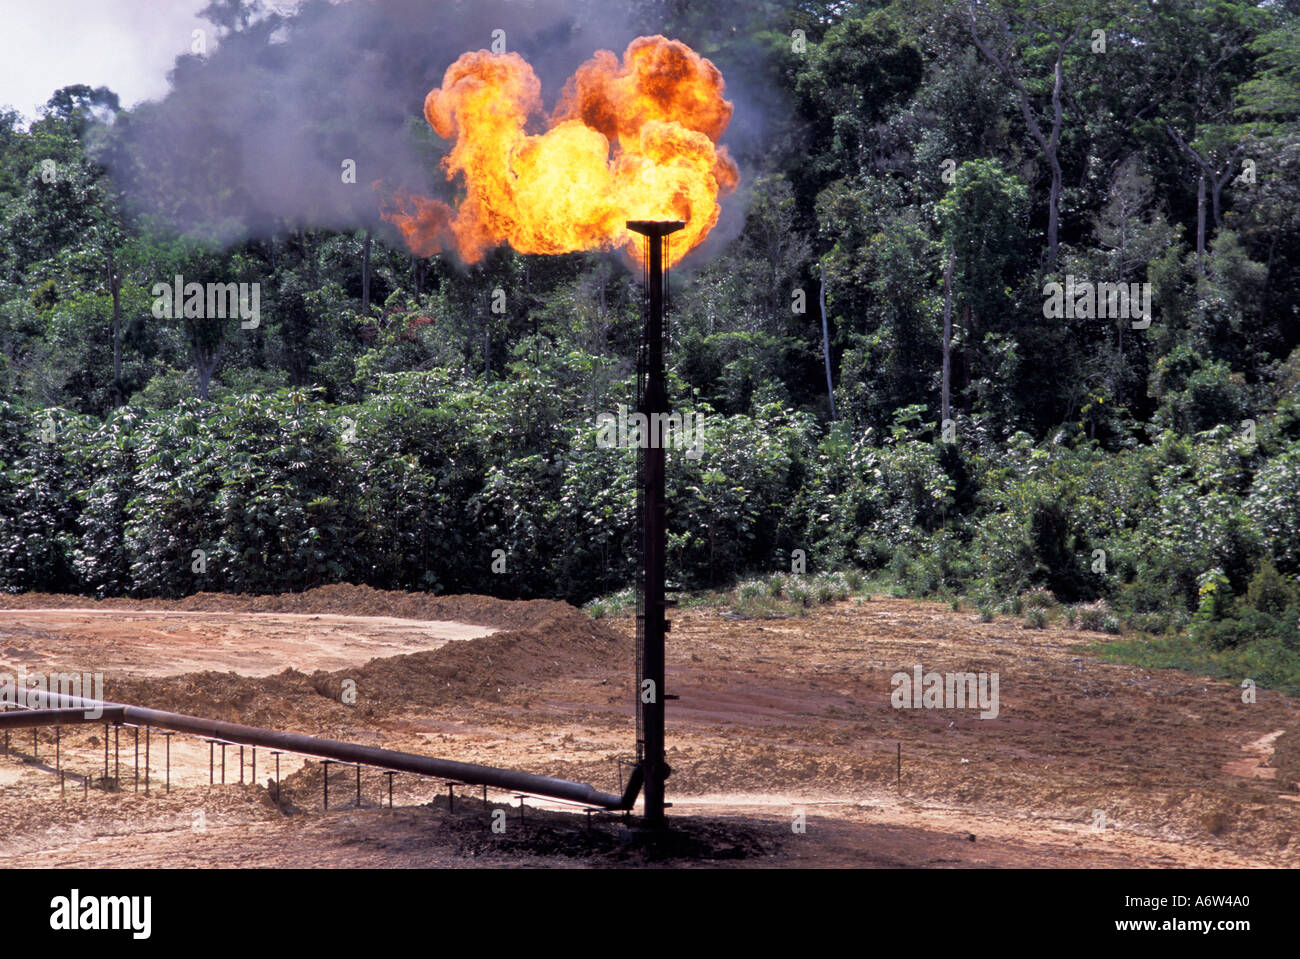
(572, 646)
(340, 598)
(284, 701)
(568, 643)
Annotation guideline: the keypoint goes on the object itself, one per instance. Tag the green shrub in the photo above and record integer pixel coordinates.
(1036, 618)
(800, 595)
(839, 587)
(1212, 396)
(1213, 596)
(923, 576)
(1041, 597)
(1273, 506)
(612, 605)
(1096, 617)
(1149, 622)
(1269, 590)
(1148, 594)
(1246, 626)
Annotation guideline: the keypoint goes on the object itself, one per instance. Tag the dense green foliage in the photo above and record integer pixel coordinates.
(383, 424)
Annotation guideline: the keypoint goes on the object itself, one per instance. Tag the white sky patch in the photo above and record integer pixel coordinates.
(125, 45)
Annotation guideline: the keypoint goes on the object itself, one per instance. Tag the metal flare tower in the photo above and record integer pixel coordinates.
(652, 624)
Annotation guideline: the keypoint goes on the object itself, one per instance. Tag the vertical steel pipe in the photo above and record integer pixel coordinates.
(654, 406)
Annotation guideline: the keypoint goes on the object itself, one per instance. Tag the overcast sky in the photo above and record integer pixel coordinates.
(125, 45)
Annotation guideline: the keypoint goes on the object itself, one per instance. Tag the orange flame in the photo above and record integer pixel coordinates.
(661, 111)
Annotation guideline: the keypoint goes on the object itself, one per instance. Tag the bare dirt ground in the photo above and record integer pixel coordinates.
(251, 644)
(779, 721)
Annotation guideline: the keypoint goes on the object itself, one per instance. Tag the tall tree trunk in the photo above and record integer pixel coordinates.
(1218, 178)
(966, 363)
(1216, 188)
(1049, 143)
(826, 341)
(205, 364)
(1053, 209)
(1200, 225)
(1123, 278)
(945, 396)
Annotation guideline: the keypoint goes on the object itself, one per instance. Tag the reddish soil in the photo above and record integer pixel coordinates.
(779, 721)
(251, 644)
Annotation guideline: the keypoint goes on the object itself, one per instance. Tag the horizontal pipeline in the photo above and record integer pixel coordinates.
(29, 718)
(469, 773)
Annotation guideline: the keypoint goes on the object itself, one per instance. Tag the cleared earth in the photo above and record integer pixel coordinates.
(151, 643)
(781, 724)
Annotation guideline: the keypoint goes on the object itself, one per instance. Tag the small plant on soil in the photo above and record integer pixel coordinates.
(840, 586)
(1096, 617)
(612, 605)
(1040, 597)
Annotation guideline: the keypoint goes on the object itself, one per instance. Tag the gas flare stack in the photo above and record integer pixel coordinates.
(651, 623)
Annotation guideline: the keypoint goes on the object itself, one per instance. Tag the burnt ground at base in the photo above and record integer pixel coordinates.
(605, 839)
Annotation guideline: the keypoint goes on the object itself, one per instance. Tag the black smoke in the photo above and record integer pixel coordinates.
(252, 137)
